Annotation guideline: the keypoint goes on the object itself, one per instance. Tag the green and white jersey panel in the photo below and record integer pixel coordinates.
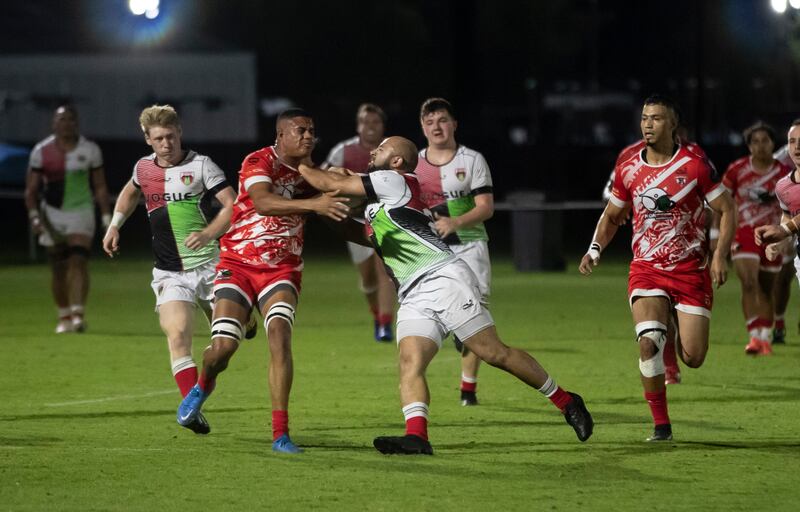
(401, 228)
(66, 175)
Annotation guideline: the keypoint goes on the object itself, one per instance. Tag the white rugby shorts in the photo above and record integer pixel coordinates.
(192, 285)
(476, 255)
(65, 222)
(446, 300)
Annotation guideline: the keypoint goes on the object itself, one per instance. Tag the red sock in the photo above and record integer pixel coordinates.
(417, 426)
(280, 424)
(657, 401)
(206, 384)
(374, 312)
(186, 379)
(560, 398)
(780, 323)
(384, 318)
(670, 357)
(468, 386)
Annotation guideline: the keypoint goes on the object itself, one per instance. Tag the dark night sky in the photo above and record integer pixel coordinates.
(494, 59)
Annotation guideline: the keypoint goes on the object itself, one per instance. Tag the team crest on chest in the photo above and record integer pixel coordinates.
(187, 177)
(461, 173)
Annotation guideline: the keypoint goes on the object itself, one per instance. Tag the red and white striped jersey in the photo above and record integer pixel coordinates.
(788, 192)
(754, 191)
(265, 241)
(668, 213)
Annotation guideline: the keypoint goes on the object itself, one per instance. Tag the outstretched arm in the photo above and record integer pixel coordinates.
(610, 221)
(267, 202)
(334, 178)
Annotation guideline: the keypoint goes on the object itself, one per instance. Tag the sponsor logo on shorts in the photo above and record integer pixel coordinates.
(223, 274)
(468, 305)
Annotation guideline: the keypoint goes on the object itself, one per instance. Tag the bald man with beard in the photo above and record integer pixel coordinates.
(438, 293)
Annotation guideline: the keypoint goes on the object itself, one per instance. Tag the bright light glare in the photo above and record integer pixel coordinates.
(778, 6)
(151, 14)
(139, 7)
(795, 4)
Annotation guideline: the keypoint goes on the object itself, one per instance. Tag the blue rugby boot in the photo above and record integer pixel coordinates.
(189, 409)
(383, 333)
(285, 445)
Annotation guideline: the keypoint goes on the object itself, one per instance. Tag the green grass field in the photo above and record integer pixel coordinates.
(88, 420)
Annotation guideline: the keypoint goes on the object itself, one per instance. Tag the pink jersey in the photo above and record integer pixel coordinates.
(668, 211)
(349, 154)
(265, 241)
(788, 192)
(754, 191)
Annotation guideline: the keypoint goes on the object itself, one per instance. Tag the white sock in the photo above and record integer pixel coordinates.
(415, 409)
(182, 363)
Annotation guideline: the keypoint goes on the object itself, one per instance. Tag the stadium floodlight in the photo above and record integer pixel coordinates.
(778, 6)
(146, 7)
(795, 4)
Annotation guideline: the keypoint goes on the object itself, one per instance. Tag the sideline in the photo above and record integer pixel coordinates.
(110, 399)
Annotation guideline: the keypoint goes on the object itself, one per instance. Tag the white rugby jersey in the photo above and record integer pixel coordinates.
(450, 189)
(66, 175)
(178, 201)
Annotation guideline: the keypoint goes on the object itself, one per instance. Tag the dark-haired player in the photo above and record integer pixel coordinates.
(353, 154)
(666, 184)
(65, 171)
(260, 266)
(752, 180)
(456, 186)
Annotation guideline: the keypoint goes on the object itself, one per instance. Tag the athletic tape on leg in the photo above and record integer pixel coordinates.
(656, 332)
(226, 327)
(282, 310)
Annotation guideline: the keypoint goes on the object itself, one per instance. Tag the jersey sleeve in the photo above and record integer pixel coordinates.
(620, 196)
(729, 178)
(213, 177)
(96, 157)
(35, 161)
(708, 180)
(256, 169)
(387, 187)
(481, 176)
(135, 176)
(335, 158)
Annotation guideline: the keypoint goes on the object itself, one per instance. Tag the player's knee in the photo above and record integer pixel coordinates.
(651, 336)
(493, 352)
(58, 255)
(279, 320)
(694, 359)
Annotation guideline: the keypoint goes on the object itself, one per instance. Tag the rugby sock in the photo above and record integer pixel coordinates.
(64, 313)
(416, 415)
(280, 424)
(76, 310)
(765, 335)
(469, 383)
(553, 391)
(752, 325)
(206, 384)
(184, 370)
(384, 318)
(657, 400)
(780, 323)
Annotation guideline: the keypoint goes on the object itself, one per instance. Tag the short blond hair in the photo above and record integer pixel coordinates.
(158, 115)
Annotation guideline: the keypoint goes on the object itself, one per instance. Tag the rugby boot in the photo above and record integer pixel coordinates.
(383, 333)
(779, 336)
(64, 325)
(468, 398)
(402, 445)
(672, 375)
(199, 425)
(578, 417)
(189, 409)
(661, 433)
(754, 347)
(765, 349)
(251, 329)
(285, 445)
